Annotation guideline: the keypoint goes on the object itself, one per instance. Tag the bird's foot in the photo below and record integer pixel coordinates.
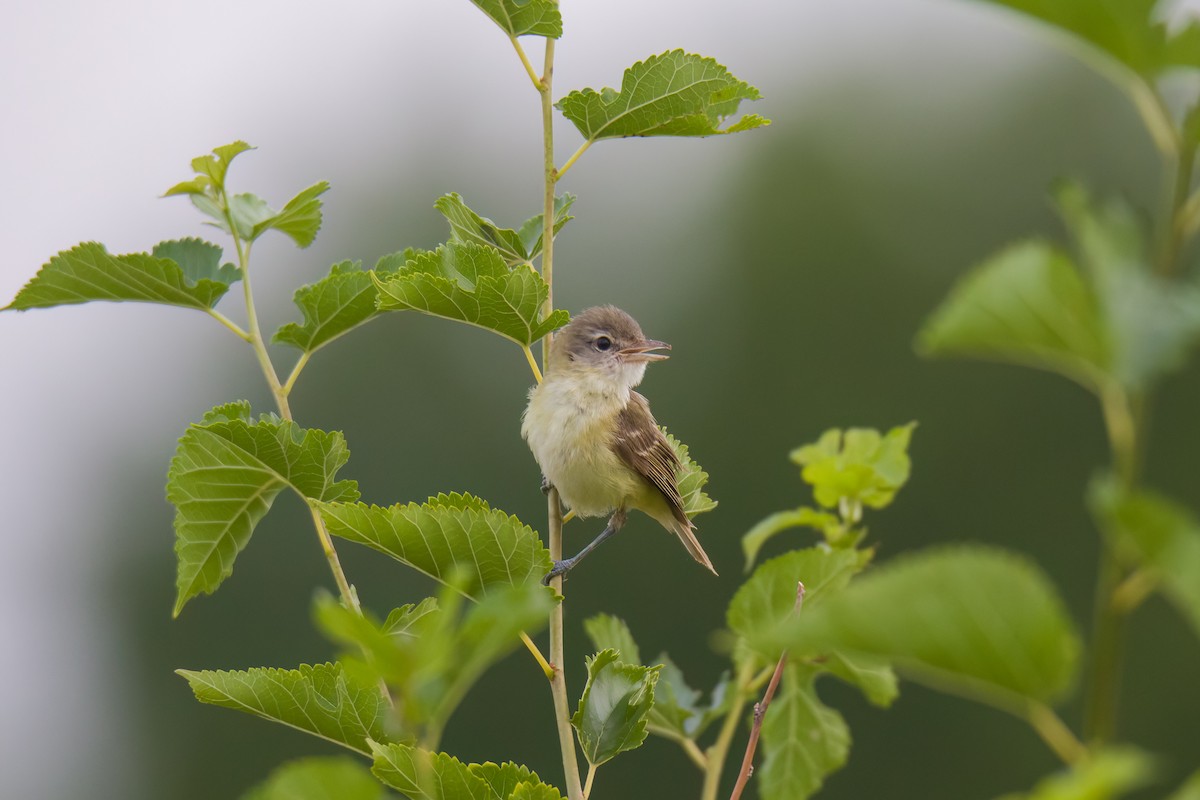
(560, 568)
(546, 485)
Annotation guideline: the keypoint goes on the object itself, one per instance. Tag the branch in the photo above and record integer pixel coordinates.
(760, 711)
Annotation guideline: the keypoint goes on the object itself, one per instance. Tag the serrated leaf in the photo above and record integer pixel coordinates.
(1156, 534)
(691, 479)
(319, 699)
(611, 717)
(471, 283)
(225, 475)
(768, 598)
(333, 306)
(422, 775)
(300, 217)
(873, 676)
(440, 538)
(672, 94)
(87, 272)
(764, 531)
(319, 778)
(1150, 322)
(1104, 775)
(401, 620)
(214, 167)
(974, 621)
(1027, 305)
(803, 740)
(515, 247)
(857, 465)
(532, 230)
(607, 632)
(509, 781)
(524, 17)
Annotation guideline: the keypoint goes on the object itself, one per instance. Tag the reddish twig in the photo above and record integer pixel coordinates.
(760, 711)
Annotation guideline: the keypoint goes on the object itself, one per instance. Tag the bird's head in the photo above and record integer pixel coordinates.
(604, 340)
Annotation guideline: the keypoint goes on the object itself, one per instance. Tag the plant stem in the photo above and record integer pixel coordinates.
(760, 709)
(296, 370)
(230, 324)
(719, 750)
(558, 684)
(694, 753)
(537, 373)
(1055, 733)
(591, 776)
(537, 83)
(349, 598)
(571, 161)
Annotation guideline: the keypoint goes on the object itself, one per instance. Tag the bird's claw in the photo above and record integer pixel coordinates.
(560, 568)
(546, 485)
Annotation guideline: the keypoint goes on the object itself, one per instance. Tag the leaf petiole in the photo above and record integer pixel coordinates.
(558, 173)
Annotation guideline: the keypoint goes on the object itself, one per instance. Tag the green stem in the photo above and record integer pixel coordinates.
(296, 370)
(1056, 734)
(349, 598)
(1177, 227)
(558, 684)
(537, 83)
(230, 324)
(719, 751)
(591, 776)
(571, 161)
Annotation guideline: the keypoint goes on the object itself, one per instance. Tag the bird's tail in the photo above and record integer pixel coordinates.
(683, 529)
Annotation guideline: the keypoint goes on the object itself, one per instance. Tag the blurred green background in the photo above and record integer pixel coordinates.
(790, 269)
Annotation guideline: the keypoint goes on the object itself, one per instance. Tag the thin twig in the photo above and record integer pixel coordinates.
(760, 711)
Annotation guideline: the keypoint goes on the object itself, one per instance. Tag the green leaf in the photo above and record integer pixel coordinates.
(1126, 30)
(516, 247)
(438, 653)
(858, 466)
(531, 231)
(691, 479)
(319, 778)
(607, 632)
(1151, 322)
(422, 775)
(300, 217)
(471, 283)
(401, 620)
(780, 521)
(803, 740)
(333, 306)
(1156, 534)
(211, 169)
(183, 273)
(673, 94)
(446, 534)
(509, 780)
(676, 712)
(969, 620)
(873, 676)
(319, 699)
(225, 475)
(768, 598)
(524, 17)
(1027, 305)
(611, 717)
(1104, 775)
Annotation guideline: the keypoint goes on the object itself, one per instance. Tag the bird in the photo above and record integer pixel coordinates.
(595, 438)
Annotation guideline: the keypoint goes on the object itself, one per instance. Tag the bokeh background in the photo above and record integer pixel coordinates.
(790, 267)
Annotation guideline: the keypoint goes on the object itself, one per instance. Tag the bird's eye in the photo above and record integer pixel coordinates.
(603, 343)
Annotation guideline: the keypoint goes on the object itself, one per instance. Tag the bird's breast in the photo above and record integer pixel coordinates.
(570, 432)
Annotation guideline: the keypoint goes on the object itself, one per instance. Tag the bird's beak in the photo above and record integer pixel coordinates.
(642, 352)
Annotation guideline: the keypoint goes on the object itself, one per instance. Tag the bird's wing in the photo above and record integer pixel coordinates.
(641, 444)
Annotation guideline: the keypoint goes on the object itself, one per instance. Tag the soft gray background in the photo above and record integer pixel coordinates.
(790, 267)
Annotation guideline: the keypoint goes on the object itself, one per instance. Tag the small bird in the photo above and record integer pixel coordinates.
(595, 438)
